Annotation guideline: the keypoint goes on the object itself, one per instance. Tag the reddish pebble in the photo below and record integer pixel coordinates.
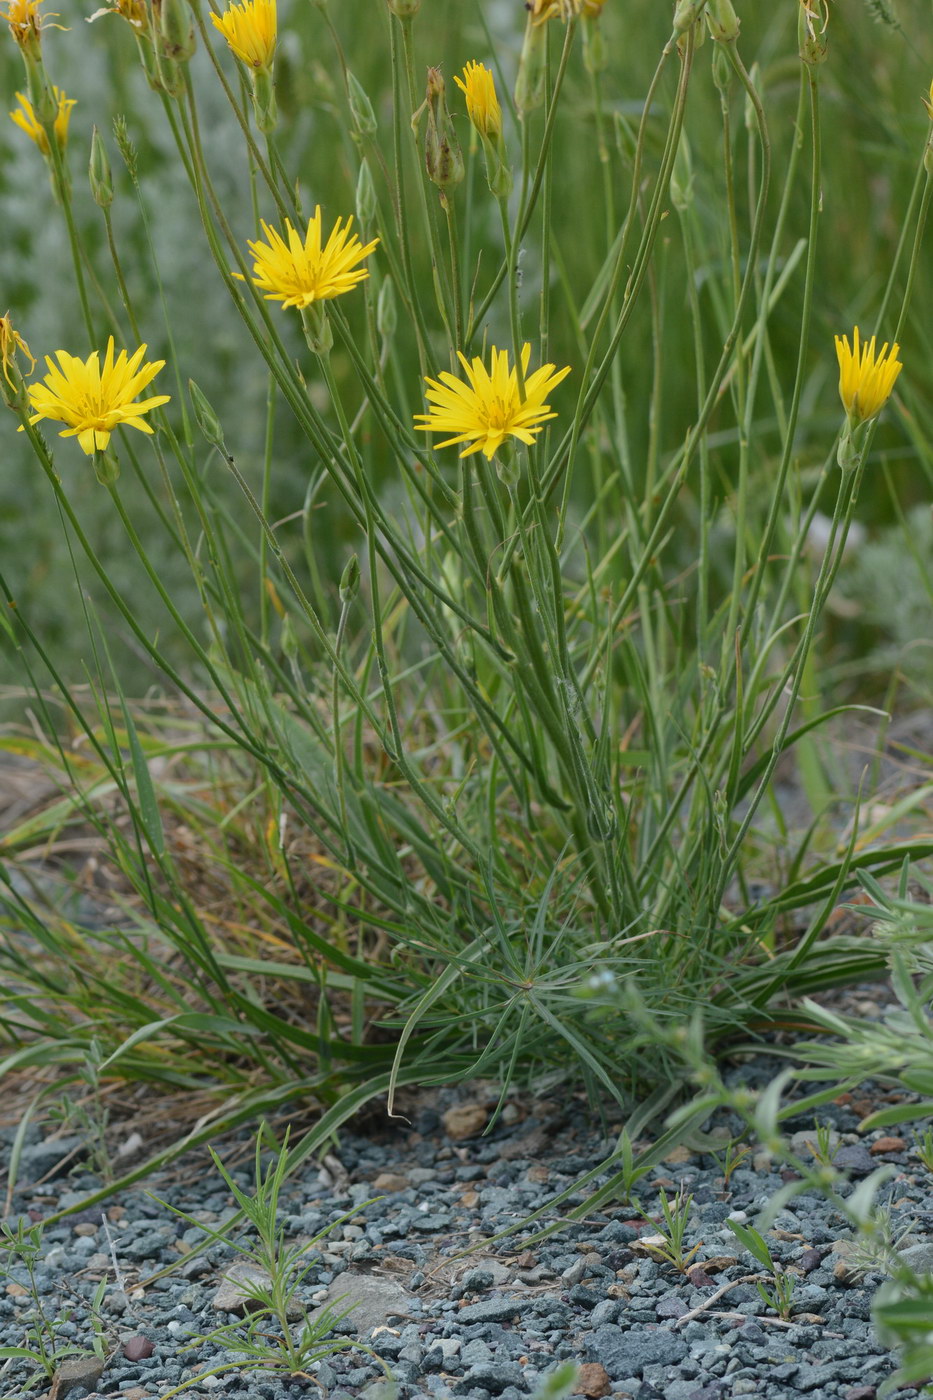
(699, 1277)
(860, 1392)
(137, 1348)
(593, 1380)
(887, 1144)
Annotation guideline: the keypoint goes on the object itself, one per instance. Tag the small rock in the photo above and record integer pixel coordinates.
(699, 1277)
(860, 1392)
(671, 1306)
(391, 1181)
(135, 1392)
(135, 1348)
(235, 1292)
(809, 1260)
(919, 1257)
(494, 1310)
(83, 1371)
(84, 1227)
(593, 1380)
(679, 1155)
(465, 1120)
(887, 1144)
(854, 1158)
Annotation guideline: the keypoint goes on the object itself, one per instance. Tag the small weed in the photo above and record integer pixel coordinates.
(824, 1148)
(923, 1146)
(294, 1343)
(781, 1291)
(669, 1245)
(20, 1248)
(734, 1154)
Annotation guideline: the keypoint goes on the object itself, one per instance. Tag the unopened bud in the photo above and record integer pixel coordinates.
(529, 85)
(11, 380)
(404, 8)
(361, 109)
(206, 418)
(443, 158)
(264, 105)
(317, 328)
(722, 69)
(106, 467)
(99, 172)
(682, 176)
(812, 22)
(723, 21)
(365, 196)
(386, 315)
(350, 580)
(686, 14)
(176, 27)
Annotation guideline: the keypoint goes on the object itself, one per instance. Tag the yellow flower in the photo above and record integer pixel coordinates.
(94, 400)
(866, 376)
(27, 121)
(250, 29)
(133, 11)
(25, 22)
(297, 272)
(543, 10)
(10, 342)
(482, 103)
(489, 408)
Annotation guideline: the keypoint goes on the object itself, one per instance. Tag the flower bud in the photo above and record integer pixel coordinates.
(350, 580)
(443, 158)
(106, 467)
(206, 418)
(682, 176)
(317, 328)
(365, 196)
(99, 172)
(723, 21)
(361, 109)
(529, 85)
(686, 13)
(812, 21)
(264, 105)
(404, 8)
(176, 30)
(386, 314)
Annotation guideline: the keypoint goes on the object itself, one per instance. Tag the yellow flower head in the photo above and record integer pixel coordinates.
(543, 10)
(133, 11)
(10, 342)
(489, 407)
(27, 121)
(250, 29)
(482, 103)
(298, 272)
(866, 376)
(93, 400)
(25, 22)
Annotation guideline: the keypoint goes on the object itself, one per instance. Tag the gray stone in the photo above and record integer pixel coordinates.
(369, 1301)
(855, 1159)
(628, 1353)
(494, 1376)
(492, 1310)
(81, 1371)
(919, 1257)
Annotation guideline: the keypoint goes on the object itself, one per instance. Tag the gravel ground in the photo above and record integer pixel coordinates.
(491, 1324)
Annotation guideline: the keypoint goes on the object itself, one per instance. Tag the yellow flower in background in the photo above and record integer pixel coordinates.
(10, 342)
(866, 376)
(489, 407)
(94, 400)
(25, 22)
(543, 10)
(250, 29)
(482, 103)
(27, 121)
(300, 271)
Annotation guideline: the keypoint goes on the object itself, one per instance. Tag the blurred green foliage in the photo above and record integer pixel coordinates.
(874, 126)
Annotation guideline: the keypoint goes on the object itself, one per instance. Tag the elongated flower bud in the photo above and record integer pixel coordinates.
(11, 380)
(366, 204)
(812, 22)
(529, 85)
(361, 109)
(176, 27)
(443, 158)
(206, 418)
(350, 580)
(723, 21)
(99, 172)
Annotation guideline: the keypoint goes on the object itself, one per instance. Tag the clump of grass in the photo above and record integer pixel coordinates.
(460, 728)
